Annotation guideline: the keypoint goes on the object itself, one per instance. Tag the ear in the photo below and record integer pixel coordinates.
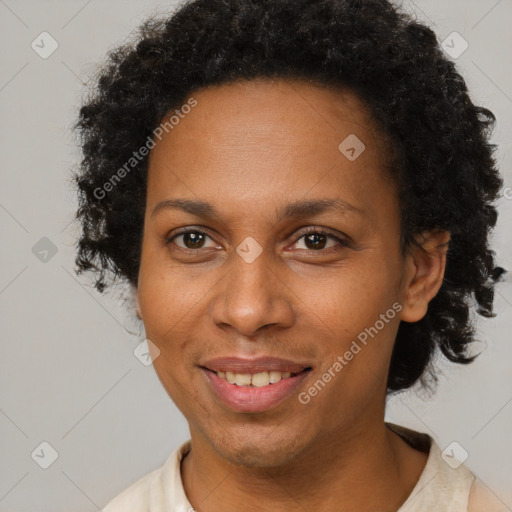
(424, 272)
(139, 312)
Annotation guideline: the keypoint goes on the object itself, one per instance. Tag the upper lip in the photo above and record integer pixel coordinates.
(255, 365)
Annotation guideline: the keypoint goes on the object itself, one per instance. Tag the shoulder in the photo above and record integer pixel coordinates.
(157, 490)
(482, 499)
(444, 484)
(135, 497)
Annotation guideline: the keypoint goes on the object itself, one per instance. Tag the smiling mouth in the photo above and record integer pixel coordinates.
(252, 388)
(256, 380)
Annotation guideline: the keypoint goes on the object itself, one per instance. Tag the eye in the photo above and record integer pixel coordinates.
(191, 238)
(316, 239)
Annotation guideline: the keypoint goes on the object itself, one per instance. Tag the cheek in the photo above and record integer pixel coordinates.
(357, 314)
(352, 298)
(162, 311)
(167, 297)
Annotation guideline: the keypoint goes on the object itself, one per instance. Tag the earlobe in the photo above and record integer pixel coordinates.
(425, 266)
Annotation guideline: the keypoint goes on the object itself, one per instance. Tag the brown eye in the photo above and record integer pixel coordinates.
(317, 240)
(191, 239)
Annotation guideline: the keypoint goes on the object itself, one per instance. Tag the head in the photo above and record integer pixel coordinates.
(336, 184)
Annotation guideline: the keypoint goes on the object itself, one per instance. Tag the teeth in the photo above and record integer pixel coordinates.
(255, 379)
(277, 376)
(242, 379)
(260, 379)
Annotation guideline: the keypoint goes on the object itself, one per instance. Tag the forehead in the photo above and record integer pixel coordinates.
(261, 139)
(274, 110)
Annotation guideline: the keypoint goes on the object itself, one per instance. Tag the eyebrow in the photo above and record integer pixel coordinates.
(294, 209)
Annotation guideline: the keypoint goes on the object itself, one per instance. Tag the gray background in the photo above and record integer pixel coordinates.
(68, 373)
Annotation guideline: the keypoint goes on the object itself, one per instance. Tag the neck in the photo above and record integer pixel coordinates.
(364, 469)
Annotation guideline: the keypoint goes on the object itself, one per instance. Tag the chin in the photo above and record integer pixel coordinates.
(266, 449)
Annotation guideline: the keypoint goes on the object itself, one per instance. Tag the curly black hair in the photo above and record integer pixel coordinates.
(442, 159)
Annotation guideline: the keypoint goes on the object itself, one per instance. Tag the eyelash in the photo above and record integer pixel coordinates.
(301, 234)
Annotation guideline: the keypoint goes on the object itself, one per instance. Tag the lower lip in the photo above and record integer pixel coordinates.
(251, 398)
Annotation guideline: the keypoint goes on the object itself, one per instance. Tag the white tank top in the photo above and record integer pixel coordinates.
(440, 487)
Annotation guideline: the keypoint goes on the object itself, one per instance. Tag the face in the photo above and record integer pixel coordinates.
(255, 278)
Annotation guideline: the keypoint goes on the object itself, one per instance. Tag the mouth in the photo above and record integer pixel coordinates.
(248, 387)
(257, 380)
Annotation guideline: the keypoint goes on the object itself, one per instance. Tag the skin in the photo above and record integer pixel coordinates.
(249, 148)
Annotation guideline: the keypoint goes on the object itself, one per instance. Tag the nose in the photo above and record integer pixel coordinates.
(252, 296)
